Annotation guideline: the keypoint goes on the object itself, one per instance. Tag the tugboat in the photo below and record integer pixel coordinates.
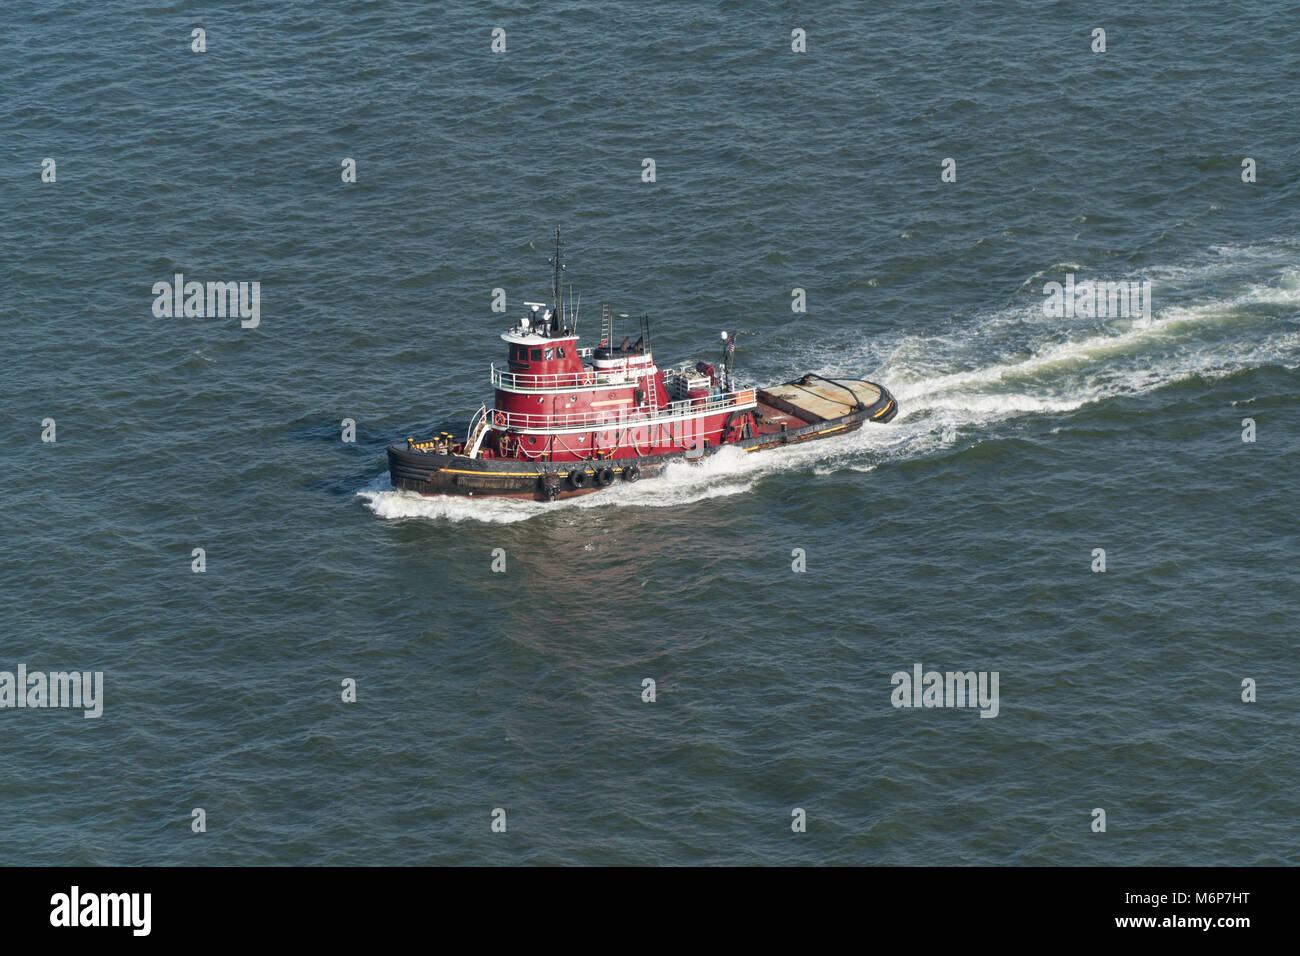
(568, 421)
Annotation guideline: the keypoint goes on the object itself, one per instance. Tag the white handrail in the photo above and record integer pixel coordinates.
(686, 408)
(567, 381)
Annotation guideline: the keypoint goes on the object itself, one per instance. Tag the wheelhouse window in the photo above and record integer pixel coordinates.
(550, 354)
(537, 355)
(559, 350)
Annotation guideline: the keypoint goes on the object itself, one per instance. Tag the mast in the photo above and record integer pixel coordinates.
(557, 320)
(728, 360)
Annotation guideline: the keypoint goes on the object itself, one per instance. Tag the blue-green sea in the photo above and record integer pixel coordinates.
(963, 536)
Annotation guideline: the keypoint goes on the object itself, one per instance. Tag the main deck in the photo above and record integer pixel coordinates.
(811, 400)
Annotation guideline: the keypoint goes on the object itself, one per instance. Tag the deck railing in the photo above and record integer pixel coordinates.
(623, 417)
(563, 382)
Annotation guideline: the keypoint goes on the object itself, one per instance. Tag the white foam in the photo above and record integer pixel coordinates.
(730, 471)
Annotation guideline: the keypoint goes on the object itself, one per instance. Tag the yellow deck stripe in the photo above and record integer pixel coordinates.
(499, 474)
(824, 431)
(515, 474)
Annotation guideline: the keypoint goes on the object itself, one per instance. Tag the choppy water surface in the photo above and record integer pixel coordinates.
(961, 536)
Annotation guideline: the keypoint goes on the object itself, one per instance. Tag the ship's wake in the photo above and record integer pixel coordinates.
(1237, 309)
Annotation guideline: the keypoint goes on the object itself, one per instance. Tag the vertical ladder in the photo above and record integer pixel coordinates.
(478, 428)
(607, 324)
